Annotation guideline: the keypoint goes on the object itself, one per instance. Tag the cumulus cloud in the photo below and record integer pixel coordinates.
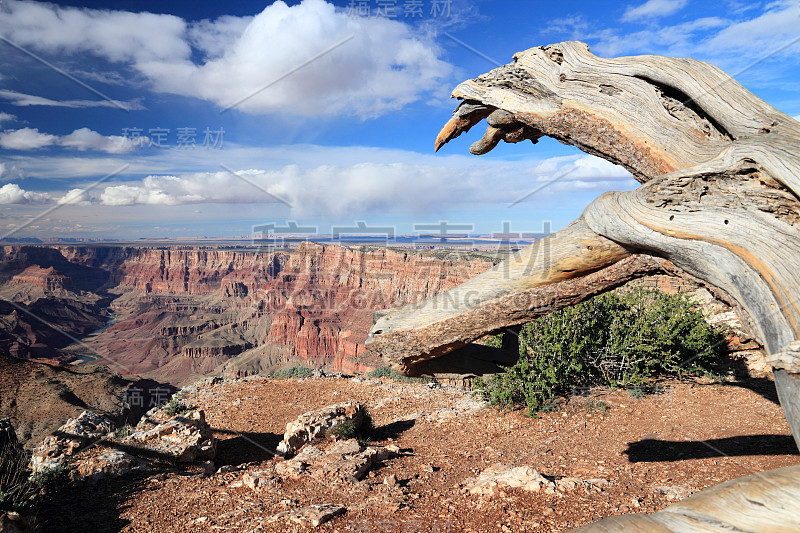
(653, 9)
(11, 193)
(23, 100)
(85, 139)
(81, 139)
(26, 139)
(75, 197)
(282, 60)
(6, 117)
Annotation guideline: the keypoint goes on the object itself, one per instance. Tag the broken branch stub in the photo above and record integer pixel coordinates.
(720, 170)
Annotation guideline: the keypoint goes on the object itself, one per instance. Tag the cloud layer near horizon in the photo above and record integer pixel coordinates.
(364, 188)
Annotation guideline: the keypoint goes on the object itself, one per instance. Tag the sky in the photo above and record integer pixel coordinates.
(179, 119)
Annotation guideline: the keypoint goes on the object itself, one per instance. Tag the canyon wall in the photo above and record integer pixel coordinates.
(183, 312)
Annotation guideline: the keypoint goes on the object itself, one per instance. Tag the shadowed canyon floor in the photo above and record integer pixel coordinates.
(639, 455)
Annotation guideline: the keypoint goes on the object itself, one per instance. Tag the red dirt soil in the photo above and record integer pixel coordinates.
(693, 435)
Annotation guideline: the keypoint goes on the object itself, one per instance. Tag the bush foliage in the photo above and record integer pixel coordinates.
(389, 372)
(294, 372)
(614, 340)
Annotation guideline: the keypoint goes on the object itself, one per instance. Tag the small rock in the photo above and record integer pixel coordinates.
(258, 480)
(494, 479)
(390, 480)
(113, 463)
(673, 492)
(344, 460)
(208, 467)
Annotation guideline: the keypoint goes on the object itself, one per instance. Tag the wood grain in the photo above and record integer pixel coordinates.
(720, 170)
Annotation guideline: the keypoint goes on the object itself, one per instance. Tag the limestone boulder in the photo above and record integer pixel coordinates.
(75, 435)
(315, 424)
(184, 438)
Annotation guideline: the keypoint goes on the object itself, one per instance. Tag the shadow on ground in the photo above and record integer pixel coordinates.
(655, 450)
(238, 448)
(392, 430)
(82, 507)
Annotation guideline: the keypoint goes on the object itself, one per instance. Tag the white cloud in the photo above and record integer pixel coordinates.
(85, 139)
(23, 100)
(272, 62)
(10, 172)
(797, 118)
(75, 197)
(11, 193)
(6, 117)
(717, 39)
(116, 35)
(773, 29)
(81, 139)
(653, 9)
(26, 139)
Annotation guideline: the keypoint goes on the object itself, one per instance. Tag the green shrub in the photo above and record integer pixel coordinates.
(610, 340)
(294, 372)
(495, 341)
(51, 479)
(637, 392)
(345, 430)
(389, 372)
(597, 406)
(348, 430)
(19, 489)
(177, 407)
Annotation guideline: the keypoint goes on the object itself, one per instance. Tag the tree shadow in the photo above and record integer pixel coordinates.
(393, 429)
(245, 447)
(656, 450)
(764, 387)
(81, 507)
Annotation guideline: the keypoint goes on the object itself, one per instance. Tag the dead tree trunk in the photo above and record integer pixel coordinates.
(720, 174)
(721, 179)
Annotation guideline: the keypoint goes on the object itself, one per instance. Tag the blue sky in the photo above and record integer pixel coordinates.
(177, 119)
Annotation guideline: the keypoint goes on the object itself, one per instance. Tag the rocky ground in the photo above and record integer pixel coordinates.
(39, 397)
(602, 454)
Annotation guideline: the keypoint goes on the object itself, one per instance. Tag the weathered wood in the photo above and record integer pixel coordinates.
(721, 180)
(762, 502)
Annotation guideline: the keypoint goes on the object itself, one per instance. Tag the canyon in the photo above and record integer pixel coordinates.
(177, 313)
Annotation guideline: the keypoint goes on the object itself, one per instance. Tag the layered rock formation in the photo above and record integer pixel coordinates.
(183, 312)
